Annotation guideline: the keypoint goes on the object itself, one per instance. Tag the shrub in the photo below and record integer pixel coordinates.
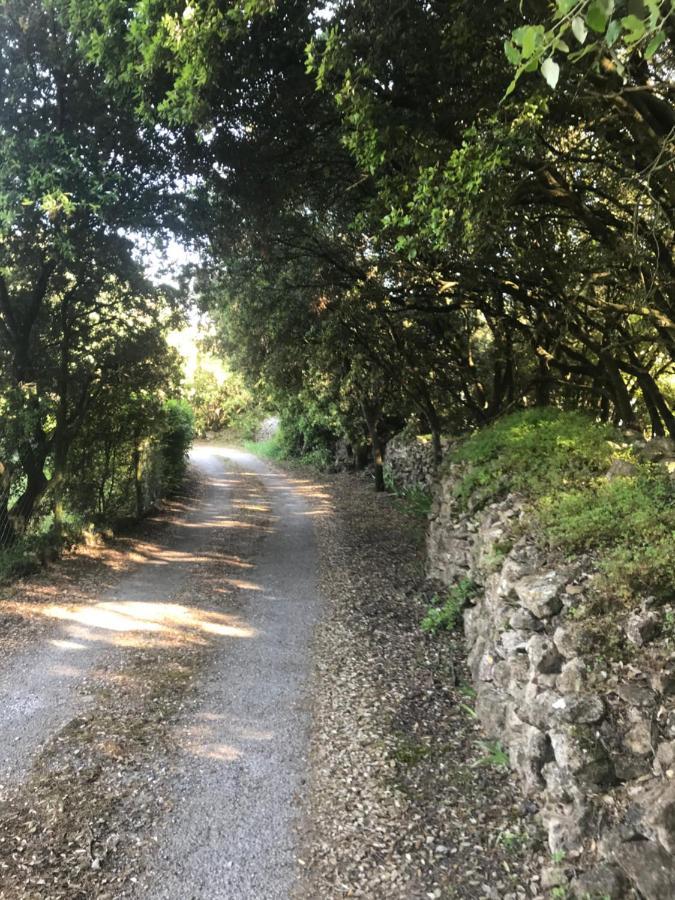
(217, 403)
(304, 434)
(176, 440)
(558, 461)
(629, 521)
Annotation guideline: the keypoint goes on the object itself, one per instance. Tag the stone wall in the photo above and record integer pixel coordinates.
(409, 461)
(592, 740)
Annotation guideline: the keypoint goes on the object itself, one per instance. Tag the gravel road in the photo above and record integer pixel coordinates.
(175, 726)
(244, 749)
(228, 593)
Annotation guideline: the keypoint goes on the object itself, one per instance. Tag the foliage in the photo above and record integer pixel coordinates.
(25, 556)
(444, 614)
(217, 402)
(82, 331)
(416, 501)
(534, 452)
(557, 460)
(176, 440)
(629, 521)
(494, 754)
(595, 31)
(412, 242)
(304, 439)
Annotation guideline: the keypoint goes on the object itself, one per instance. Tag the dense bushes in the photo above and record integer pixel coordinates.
(218, 403)
(127, 456)
(176, 439)
(307, 432)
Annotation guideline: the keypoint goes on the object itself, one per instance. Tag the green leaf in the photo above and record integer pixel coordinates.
(511, 88)
(563, 7)
(596, 17)
(551, 71)
(613, 32)
(512, 53)
(531, 37)
(654, 12)
(635, 28)
(654, 44)
(579, 29)
(518, 34)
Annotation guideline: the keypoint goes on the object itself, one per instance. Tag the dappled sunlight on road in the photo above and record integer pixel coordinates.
(203, 738)
(130, 623)
(170, 619)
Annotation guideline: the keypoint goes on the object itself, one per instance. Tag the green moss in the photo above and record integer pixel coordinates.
(532, 452)
(628, 521)
(557, 460)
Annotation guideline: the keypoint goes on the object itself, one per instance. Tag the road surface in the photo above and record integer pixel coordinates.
(240, 751)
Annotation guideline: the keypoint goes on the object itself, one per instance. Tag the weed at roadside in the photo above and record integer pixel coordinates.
(443, 615)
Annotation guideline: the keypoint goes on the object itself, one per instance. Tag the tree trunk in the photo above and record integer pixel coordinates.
(22, 511)
(371, 415)
(138, 479)
(7, 533)
(435, 428)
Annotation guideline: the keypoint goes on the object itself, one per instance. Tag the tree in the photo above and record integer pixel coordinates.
(76, 171)
(389, 204)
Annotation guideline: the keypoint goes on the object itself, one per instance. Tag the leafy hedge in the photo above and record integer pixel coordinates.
(177, 436)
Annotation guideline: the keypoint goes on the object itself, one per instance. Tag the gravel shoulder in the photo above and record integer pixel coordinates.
(406, 799)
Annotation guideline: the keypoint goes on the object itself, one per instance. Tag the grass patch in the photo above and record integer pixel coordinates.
(415, 502)
(533, 452)
(628, 521)
(558, 460)
(275, 449)
(269, 449)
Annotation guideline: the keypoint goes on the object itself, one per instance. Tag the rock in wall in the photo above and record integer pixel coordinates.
(592, 740)
(409, 461)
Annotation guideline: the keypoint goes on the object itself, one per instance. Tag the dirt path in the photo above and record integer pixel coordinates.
(153, 740)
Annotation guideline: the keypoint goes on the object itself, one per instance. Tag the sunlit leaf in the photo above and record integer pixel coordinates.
(635, 28)
(613, 32)
(551, 71)
(596, 17)
(654, 44)
(512, 53)
(579, 29)
(563, 7)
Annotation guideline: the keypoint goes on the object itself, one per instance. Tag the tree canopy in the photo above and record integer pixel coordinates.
(425, 212)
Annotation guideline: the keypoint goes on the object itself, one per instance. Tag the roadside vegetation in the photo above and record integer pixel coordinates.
(559, 462)
(462, 215)
(420, 245)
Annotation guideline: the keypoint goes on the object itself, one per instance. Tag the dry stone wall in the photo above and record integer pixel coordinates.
(592, 740)
(409, 461)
